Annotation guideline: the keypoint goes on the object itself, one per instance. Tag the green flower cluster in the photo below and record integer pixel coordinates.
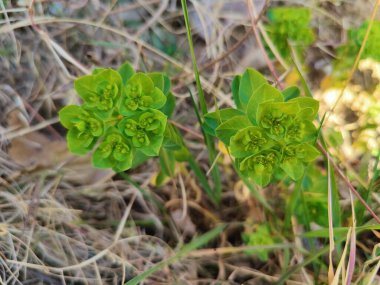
(270, 131)
(123, 116)
(290, 24)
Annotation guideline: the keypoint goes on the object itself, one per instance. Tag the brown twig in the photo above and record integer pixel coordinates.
(186, 129)
(261, 46)
(345, 179)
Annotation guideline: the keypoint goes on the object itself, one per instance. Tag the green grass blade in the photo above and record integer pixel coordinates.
(145, 194)
(339, 232)
(202, 100)
(202, 179)
(182, 252)
(298, 67)
(215, 196)
(371, 188)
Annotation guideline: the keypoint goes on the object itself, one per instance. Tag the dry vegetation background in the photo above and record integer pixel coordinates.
(63, 222)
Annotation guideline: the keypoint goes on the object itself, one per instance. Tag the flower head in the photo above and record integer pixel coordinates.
(141, 94)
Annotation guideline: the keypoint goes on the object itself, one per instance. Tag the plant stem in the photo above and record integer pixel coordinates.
(202, 100)
(203, 106)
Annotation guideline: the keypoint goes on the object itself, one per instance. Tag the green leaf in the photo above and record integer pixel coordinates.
(214, 119)
(126, 71)
(97, 70)
(339, 232)
(183, 154)
(84, 86)
(172, 138)
(250, 82)
(182, 252)
(264, 94)
(291, 92)
(309, 152)
(235, 92)
(153, 149)
(123, 165)
(158, 80)
(159, 99)
(293, 167)
(230, 127)
(167, 165)
(167, 162)
(169, 106)
(167, 85)
(263, 178)
(80, 142)
(310, 104)
(68, 114)
(138, 159)
(161, 81)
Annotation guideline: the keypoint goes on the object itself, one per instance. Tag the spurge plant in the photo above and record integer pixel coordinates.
(123, 116)
(270, 132)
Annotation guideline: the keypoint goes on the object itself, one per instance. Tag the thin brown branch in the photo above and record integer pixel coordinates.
(347, 181)
(261, 46)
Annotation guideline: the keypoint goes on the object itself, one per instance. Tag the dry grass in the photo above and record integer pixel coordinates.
(63, 222)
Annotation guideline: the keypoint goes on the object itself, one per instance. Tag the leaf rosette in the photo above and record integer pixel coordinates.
(124, 113)
(270, 132)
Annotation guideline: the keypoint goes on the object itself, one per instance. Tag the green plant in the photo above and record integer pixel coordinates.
(270, 132)
(123, 116)
(290, 25)
(346, 54)
(261, 236)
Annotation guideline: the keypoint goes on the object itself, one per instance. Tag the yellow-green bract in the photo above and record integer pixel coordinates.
(123, 116)
(270, 131)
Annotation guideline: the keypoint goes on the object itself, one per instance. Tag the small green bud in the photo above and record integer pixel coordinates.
(249, 141)
(148, 121)
(113, 152)
(140, 139)
(129, 127)
(120, 151)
